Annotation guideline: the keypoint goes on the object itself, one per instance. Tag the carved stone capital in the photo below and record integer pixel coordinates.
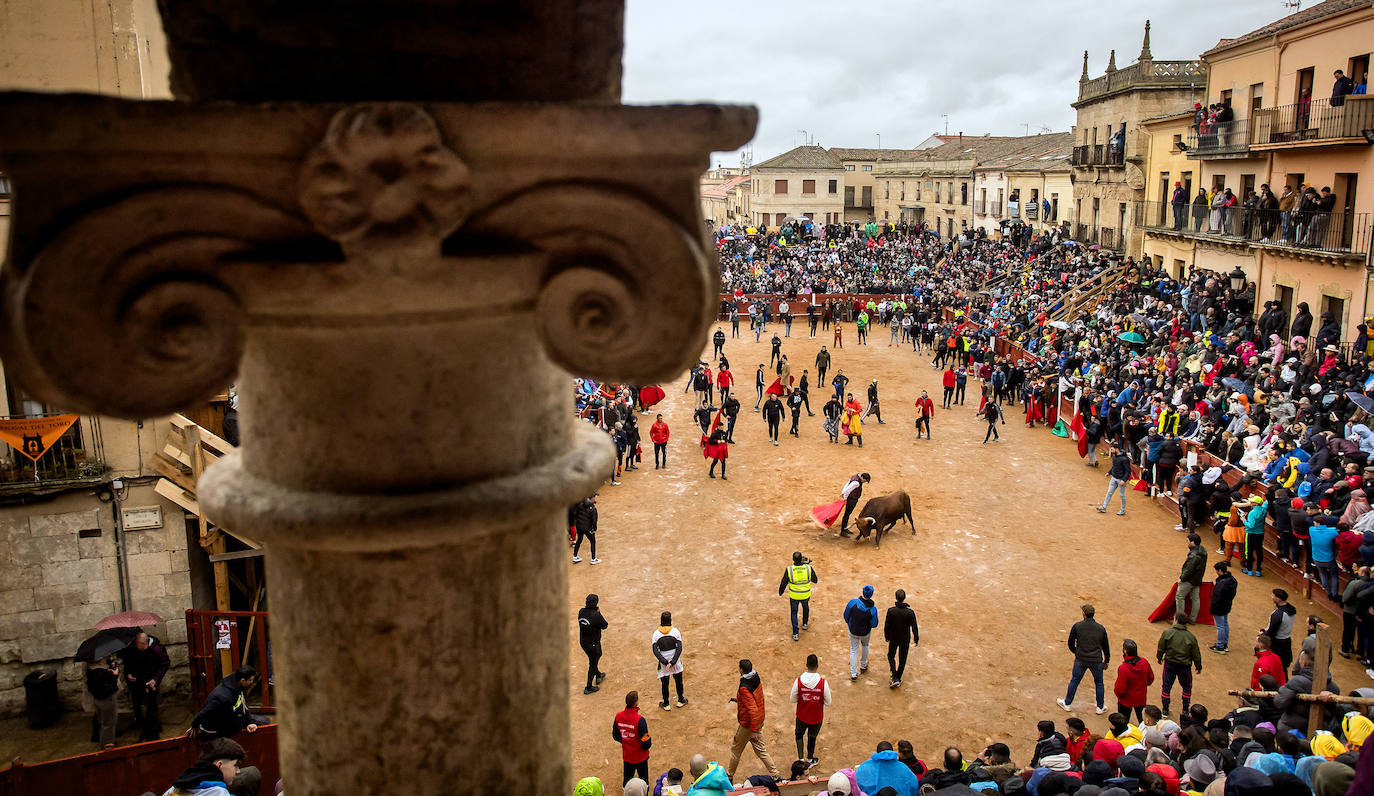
(129, 286)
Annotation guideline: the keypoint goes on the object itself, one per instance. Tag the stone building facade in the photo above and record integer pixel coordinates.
(803, 181)
(1109, 147)
(83, 533)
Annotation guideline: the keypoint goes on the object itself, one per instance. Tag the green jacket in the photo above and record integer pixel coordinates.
(1179, 647)
(1194, 566)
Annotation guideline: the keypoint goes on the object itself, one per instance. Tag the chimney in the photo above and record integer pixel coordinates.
(961, 136)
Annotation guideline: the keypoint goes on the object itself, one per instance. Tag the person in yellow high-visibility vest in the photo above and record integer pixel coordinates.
(796, 583)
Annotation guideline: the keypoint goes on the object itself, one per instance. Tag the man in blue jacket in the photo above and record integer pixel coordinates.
(861, 615)
(884, 770)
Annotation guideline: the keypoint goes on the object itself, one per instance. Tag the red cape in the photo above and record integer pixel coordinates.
(651, 395)
(826, 515)
(775, 388)
(1167, 609)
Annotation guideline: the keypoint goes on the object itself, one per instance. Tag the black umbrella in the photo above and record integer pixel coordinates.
(106, 642)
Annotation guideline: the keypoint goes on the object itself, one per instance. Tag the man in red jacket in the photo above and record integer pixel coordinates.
(724, 380)
(658, 433)
(948, 381)
(1133, 680)
(631, 731)
(1266, 662)
(749, 711)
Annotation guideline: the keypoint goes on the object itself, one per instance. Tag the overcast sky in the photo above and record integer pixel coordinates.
(844, 71)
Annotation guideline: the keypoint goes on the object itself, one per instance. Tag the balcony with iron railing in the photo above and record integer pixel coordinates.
(1032, 211)
(1097, 155)
(70, 460)
(1345, 235)
(978, 207)
(1222, 140)
(1318, 122)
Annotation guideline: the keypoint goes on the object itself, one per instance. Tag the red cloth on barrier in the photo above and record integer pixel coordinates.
(826, 514)
(1166, 610)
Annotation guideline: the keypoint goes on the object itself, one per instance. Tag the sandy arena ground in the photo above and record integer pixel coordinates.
(1007, 546)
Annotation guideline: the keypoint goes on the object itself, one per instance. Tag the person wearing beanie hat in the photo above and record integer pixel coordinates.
(861, 616)
(590, 623)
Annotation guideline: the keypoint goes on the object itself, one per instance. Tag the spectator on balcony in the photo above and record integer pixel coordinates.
(1179, 202)
(1248, 208)
(1308, 208)
(1217, 203)
(1199, 117)
(1362, 85)
(1225, 120)
(1287, 203)
(1200, 203)
(1342, 87)
(1268, 213)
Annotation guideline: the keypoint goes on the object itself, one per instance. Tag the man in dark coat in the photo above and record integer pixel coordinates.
(145, 664)
(225, 712)
(590, 623)
(1223, 594)
(1295, 711)
(1091, 653)
(901, 632)
(1302, 322)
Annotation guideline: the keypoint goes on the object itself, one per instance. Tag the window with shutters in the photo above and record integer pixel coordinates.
(779, 186)
(808, 186)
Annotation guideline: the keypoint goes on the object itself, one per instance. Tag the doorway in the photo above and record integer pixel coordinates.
(1284, 296)
(1343, 214)
(1336, 307)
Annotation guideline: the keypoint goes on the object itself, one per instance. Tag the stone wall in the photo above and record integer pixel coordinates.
(59, 576)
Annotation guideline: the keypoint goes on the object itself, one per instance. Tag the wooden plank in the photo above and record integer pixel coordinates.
(177, 495)
(256, 552)
(207, 439)
(173, 472)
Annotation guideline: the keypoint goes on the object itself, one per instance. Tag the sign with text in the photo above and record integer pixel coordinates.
(33, 436)
(222, 631)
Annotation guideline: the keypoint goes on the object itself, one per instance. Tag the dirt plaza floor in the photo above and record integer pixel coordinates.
(1006, 548)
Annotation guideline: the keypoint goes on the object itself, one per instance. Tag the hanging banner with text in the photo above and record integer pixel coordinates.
(33, 436)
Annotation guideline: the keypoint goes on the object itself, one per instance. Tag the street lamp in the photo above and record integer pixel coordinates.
(1237, 278)
(880, 140)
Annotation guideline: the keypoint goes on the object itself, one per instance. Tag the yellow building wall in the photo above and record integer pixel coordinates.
(110, 47)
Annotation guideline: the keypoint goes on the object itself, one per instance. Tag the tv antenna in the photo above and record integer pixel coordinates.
(1296, 5)
(945, 116)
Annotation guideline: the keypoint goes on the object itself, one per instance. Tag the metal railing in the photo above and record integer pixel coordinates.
(1316, 120)
(1336, 233)
(69, 459)
(1109, 238)
(995, 209)
(1225, 138)
(978, 205)
(1032, 210)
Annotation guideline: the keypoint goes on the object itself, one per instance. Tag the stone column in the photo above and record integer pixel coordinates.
(403, 289)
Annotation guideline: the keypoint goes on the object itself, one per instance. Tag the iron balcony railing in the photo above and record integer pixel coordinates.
(1032, 210)
(1316, 121)
(1336, 233)
(978, 205)
(1225, 138)
(1097, 155)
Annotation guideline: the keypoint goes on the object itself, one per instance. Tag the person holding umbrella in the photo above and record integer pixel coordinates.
(145, 664)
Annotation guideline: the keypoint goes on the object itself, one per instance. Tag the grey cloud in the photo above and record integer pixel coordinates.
(844, 73)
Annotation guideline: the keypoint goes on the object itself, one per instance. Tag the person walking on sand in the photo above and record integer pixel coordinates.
(901, 632)
(658, 434)
(839, 383)
(1117, 479)
(772, 415)
(831, 413)
(860, 616)
(822, 366)
(590, 623)
(992, 413)
(838, 342)
(924, 409)
(873, 407)
(749, 711)
(667, 648)
(811, 695)
(796, 583)
(853, 421)
(1091, 653)
(758, 386)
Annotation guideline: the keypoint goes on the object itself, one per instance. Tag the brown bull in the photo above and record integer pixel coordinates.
(881, 513)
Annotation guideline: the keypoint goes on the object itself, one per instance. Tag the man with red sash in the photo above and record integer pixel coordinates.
(631, 731)
(811, 694)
